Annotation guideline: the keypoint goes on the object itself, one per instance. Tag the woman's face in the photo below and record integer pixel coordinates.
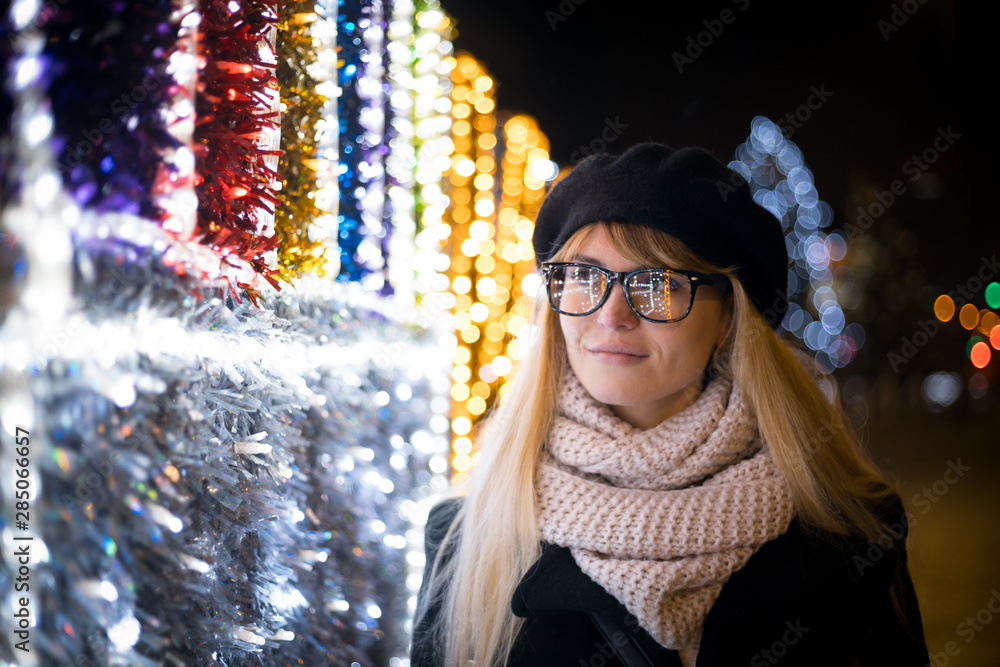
(645, 371)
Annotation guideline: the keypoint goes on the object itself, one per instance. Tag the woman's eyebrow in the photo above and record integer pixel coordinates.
(584, 259)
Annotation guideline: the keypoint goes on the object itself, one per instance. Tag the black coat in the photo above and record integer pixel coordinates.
(802, 599)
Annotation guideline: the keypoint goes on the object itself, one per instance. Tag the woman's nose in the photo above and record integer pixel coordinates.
(616, 313)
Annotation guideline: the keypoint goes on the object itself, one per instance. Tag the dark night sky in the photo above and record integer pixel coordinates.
(614, 60)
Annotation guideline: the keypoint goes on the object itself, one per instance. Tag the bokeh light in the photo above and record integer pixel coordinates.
(944, 308)
(498, 171)
(980, 354)
(781, 182)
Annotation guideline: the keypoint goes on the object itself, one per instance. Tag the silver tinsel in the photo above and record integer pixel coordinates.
(222, 483)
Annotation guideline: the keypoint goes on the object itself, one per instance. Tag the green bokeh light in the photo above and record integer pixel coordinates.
(993, 295)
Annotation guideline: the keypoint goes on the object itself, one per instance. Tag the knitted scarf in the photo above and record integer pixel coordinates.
(660, 518)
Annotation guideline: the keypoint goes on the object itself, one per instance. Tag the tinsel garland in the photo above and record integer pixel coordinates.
(223, 484)
(351, 178)
(107, 85)
(302, 118)
(374, 115)
(233, 118)
(418, 128)
(7, 37)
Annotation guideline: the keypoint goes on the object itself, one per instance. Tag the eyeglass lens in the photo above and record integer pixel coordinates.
(656, 294)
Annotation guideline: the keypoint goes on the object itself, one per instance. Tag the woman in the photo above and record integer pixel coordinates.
(665, 483)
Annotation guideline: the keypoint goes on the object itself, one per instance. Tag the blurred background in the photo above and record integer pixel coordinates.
(868, 91)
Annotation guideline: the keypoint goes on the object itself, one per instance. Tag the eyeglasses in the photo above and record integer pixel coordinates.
(655, 295)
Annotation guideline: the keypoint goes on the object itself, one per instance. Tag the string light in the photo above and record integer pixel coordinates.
(782, 183)
(498, 171)
(419, 51)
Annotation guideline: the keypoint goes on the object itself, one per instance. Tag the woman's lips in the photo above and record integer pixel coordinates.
(617, 353)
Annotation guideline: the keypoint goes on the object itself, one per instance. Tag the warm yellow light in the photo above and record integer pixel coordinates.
(460, 392)
(479, 312)
(485, 163)
(514, 323)
(483, 182)
(461, 110)
(484, 207)
(461, 374)
(487, 141)
(462, 446)
(510, 253)
(502, 295)
(464, 167)
(485, 264)
(495, 331)
(987, 320)
(480, 230)
(470, 334)
(461, 128)
(468, 67)
(537, 154)
(461, 462)
(486, 287)
(525, 229)
(461, 425)
(512, 188)
(459, 93)
(483, 83)
(532, 182)
(470, 247)
(501, 366)
(507, 216)
(481, 389)
(968, 316)
(484, 123)
(484, 105)
(476, 405)
(461, 355)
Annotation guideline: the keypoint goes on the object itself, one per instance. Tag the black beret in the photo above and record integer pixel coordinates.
(686, 193)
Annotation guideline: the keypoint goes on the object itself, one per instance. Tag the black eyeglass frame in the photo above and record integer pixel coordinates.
(620, 277)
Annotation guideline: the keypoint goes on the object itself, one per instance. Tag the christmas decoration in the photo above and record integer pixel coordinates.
(218, 472)
(782, 183)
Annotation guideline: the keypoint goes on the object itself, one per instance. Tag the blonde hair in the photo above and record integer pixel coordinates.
(495, 538)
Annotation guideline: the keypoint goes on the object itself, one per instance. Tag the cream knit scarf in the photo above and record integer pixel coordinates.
(660, 518)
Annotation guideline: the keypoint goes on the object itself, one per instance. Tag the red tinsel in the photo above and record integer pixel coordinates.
(234, 114)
